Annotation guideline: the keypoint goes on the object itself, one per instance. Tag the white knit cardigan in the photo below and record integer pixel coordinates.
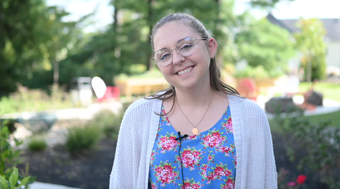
(256, 167)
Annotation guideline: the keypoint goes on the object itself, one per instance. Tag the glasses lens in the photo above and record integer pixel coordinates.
(186, 46)
(163, 57)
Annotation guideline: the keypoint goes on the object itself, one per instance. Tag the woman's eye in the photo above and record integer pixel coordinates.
(164, 56)
(186, 46)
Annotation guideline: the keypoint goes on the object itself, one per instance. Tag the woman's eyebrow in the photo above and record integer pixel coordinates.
(164, 48)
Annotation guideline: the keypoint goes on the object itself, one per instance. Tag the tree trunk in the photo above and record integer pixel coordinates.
(148, 51)
(56, 73)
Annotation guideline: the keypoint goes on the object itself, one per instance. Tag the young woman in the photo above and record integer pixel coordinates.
(199, 133)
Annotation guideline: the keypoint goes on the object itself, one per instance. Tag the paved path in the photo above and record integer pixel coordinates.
(40, 185)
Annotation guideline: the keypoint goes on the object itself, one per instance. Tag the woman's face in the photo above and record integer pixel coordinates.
(189, 71)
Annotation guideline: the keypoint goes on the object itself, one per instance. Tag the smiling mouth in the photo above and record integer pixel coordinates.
(185, 71)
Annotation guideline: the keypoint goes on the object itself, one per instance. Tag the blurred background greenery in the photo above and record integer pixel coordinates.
(39, 48)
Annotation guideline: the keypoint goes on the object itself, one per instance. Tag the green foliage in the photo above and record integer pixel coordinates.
(83, 138)
(310, 42)
(264, 44)
(9, 177)
(258, 72)
(266, 3)
(35, 100)
(108, 122)
(37, 143)
(33, 37)
(13, 181)
(317, 141)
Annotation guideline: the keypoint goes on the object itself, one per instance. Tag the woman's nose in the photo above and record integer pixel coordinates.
(176, 57)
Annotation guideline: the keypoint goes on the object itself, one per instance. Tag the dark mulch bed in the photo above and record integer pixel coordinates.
(92, 171)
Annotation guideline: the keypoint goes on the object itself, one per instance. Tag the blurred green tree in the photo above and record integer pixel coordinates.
(310, 42)
(33, 40)
(264, 44)
(266, 3)
(126, 43)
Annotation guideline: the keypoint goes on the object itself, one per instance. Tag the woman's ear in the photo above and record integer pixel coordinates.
(212, 44)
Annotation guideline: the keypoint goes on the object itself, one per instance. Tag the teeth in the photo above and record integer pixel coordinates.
(185, 71)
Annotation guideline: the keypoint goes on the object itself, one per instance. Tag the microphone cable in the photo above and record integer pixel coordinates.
(179, 152)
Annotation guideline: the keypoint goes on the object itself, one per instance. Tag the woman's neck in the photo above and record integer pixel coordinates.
(194, 98)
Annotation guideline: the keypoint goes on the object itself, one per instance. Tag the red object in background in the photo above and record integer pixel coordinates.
(247, 88)
(110, 93)
(301, 179)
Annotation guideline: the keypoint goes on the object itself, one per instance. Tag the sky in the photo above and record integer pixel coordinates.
(283, 10)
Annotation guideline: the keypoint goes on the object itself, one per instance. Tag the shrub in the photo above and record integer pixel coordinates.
(109, 122)
(9, 176)
(37, 143)
(35, 100)
(319, 142)
(82, 138)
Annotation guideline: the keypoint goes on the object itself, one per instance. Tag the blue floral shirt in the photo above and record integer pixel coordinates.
(206, 160)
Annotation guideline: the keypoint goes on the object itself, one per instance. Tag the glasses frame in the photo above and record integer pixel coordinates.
(175, 48)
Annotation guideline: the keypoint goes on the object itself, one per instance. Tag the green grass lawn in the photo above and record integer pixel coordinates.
(329, 90)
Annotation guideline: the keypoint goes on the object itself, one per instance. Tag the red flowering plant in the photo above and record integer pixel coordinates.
(297, 184)
(313, 145)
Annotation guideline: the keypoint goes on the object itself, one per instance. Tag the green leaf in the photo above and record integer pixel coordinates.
(14, 177)
(24, 181)
(3, 183)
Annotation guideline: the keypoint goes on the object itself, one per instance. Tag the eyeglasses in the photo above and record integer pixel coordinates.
(184, 47)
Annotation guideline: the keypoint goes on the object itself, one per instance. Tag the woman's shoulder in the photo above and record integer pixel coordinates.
(249, 107)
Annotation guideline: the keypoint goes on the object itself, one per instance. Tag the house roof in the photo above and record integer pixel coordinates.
(331, 25)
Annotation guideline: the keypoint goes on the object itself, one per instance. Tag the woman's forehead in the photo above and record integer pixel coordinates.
(168, 34)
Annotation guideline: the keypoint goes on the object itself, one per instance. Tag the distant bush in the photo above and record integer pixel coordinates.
(37, 143)
(108, 122)
(35, 100)
(257, 72)
(83, 138)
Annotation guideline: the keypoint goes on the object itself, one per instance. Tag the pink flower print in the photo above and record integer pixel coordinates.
(226, 150)
(195, 186)
(211, 177)
(227, 172)
(187, 185)
(204, 168)
(219, 171)
(167, 143)
(153, 156)
(210, 157)
(229, 125)
(229, 184)
(165, 174)
(192, 137)
(190, 158)
(213, 140)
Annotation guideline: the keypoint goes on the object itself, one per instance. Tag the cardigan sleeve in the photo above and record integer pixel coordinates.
(256, 167)
(135, 141)
(261, 146)
(270, 166)
(122, 175)
(126, 165)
